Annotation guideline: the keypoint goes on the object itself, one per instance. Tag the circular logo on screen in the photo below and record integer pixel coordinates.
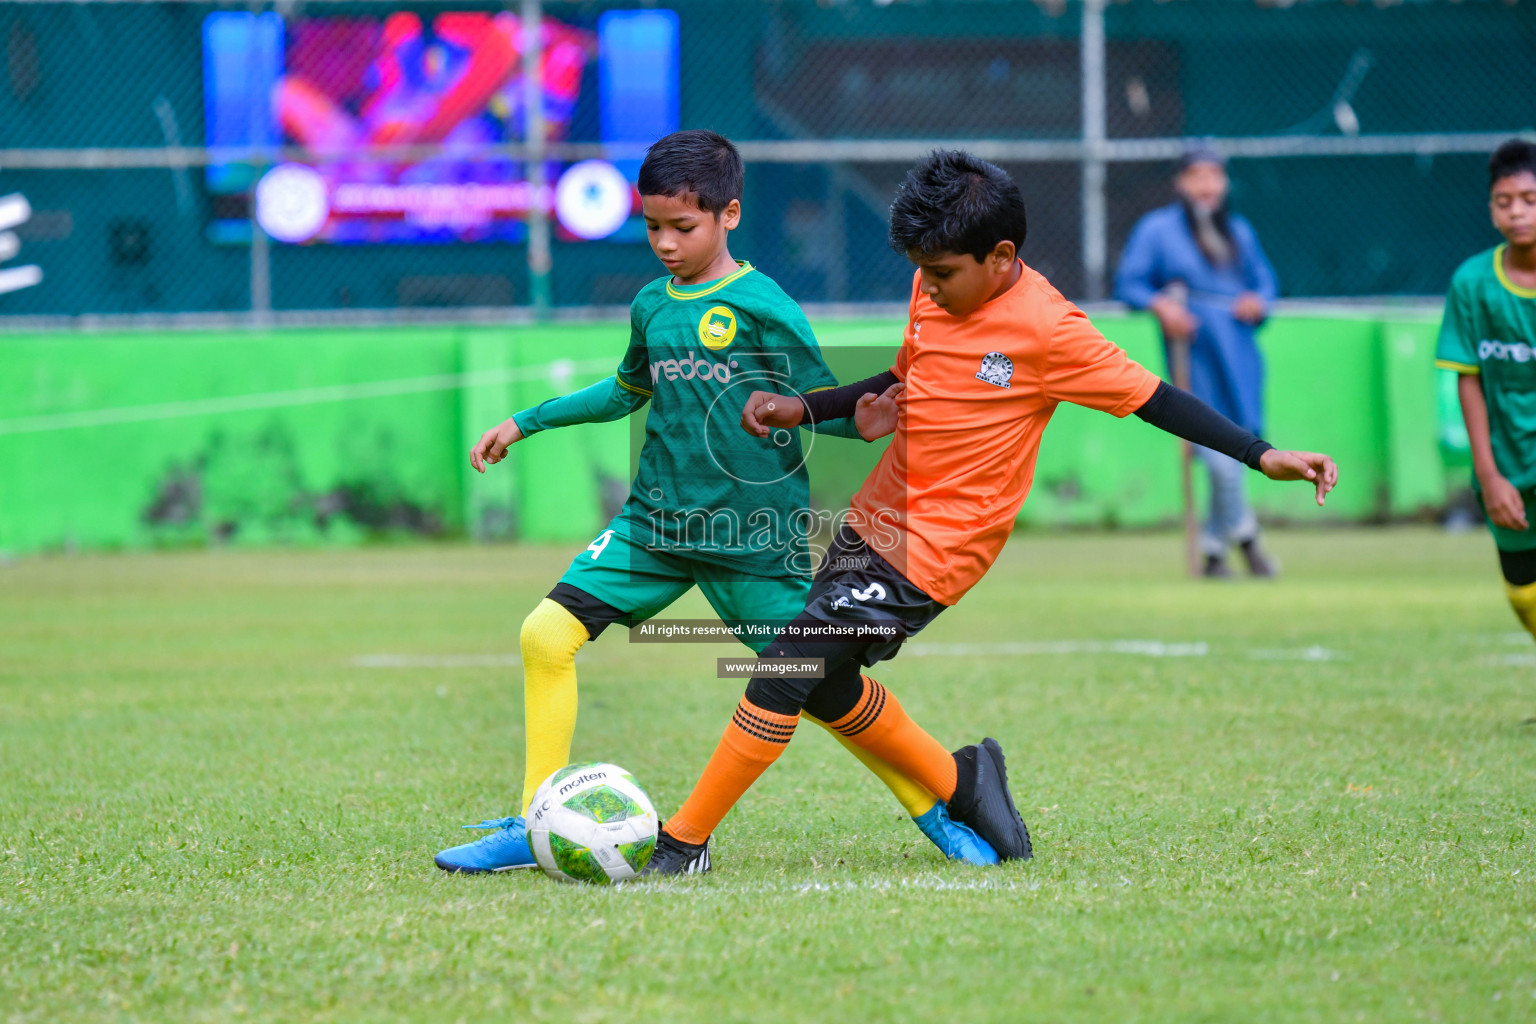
(292, 202)
(717, 328)
(592, 199)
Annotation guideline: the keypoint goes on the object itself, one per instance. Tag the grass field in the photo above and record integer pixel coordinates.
(1313, 802)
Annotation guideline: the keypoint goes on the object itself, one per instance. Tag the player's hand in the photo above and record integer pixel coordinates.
(765, 411)
(1505, 506)
(1175, 319)
(876, 415)
(1249, 308)
(493, 444)
(1313, 466)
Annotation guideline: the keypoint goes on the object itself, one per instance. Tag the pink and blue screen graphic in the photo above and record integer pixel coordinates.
(445, 90)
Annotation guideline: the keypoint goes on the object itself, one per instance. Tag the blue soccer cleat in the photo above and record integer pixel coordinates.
(954, 840)
(505, 849)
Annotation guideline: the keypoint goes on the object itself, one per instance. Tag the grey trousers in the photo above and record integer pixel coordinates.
(1231, 520)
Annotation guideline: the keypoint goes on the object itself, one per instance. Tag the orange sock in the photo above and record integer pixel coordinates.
(753, 741)
(880, 725)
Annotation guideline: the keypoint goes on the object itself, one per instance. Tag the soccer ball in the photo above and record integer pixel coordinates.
(591, 823)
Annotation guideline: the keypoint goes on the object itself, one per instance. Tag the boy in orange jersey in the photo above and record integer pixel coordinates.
(990, 350)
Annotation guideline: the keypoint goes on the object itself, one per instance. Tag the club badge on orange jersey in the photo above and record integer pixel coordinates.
(717, 328)
(996, 368)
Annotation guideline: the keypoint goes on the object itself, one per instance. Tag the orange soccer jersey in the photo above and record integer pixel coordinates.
(979, 391)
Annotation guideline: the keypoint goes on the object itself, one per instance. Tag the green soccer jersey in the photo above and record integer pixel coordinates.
(1490, 329)
(705, 487)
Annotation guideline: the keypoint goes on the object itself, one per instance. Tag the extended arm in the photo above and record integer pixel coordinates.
(869, 404)
(1500, 497)
(603, 402)
(1184, 415)
(835, 403)
(838, 426)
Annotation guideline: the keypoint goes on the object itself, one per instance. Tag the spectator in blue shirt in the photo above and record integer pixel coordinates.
(1199, 269)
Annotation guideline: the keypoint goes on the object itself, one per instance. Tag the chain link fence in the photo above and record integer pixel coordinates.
(139, 134)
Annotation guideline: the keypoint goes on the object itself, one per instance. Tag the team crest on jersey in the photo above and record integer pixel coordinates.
(718, 328)
(996, 368)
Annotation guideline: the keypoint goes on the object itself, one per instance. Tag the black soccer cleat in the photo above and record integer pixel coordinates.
(1260, 562)
(991, 811)
(674, 857)
(1215, 567)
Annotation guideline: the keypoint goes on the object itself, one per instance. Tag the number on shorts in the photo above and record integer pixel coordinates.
(597, 546)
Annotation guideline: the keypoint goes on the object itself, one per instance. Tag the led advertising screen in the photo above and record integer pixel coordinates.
(339, 87)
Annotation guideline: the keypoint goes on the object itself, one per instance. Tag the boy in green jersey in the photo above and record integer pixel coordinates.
(1489, 338)
(710, 506)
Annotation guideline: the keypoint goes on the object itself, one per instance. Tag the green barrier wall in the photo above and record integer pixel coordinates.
(342, 435)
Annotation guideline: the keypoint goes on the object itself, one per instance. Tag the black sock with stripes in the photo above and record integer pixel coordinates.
(837, 694)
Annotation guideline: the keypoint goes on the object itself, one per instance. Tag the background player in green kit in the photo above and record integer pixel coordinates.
(1489, 338)
(710, 506)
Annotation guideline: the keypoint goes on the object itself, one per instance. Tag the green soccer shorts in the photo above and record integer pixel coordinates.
(621, 569)
(1513, 540)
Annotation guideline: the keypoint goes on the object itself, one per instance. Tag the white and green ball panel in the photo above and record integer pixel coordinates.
(592, 822)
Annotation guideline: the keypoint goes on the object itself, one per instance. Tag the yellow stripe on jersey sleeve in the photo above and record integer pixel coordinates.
(627, 386)
(1447, 364)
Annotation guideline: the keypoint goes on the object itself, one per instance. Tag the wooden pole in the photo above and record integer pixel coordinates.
(1178, 349)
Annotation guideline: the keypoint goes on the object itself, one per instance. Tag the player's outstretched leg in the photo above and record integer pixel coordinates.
(739, 601)
(675, 857)
(504, 849)
(929, 813)
(982, 799)
(973, 780)
(550, 639)
(752, 741)
(955, 840)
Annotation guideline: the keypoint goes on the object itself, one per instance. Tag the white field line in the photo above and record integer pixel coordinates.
(1142, 648)
(921, 883)
(1511, 659)
(1313, 653)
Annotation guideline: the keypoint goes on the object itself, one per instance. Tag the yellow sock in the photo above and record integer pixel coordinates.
(1523, 601)
(914, 799)
(551, 636)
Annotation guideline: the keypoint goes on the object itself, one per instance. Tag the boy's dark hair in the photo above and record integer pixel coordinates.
(696, 160)
(1513, 157)
(955, 202)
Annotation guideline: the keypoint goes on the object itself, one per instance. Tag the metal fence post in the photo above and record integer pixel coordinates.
(1095, 243)
(261, 266)
(539, 257)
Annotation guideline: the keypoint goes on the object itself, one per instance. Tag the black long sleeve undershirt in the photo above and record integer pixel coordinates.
(835, 403)
(1172, 409)
(1182, 414)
